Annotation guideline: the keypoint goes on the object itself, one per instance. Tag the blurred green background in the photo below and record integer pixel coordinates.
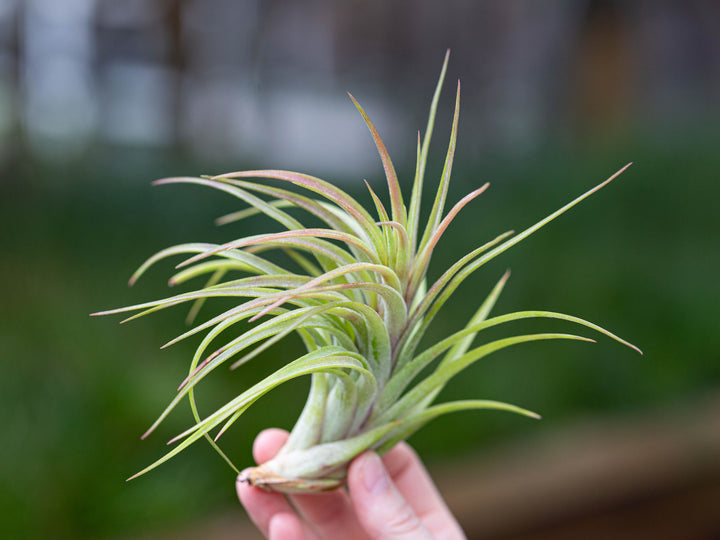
(544, 118)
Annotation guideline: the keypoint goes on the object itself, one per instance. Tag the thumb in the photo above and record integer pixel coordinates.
(382, 510)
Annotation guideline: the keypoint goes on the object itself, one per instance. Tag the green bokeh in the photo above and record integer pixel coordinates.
(640, 258)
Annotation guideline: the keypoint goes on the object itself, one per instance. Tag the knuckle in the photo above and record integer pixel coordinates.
(404, 522)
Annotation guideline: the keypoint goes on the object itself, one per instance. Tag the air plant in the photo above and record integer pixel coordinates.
(355, 291)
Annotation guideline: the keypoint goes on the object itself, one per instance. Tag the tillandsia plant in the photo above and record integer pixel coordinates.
(355, 291)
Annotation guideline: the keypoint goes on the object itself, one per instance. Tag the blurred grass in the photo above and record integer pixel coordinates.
(640, 258)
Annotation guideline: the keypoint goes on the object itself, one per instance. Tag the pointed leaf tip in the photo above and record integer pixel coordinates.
(396, 200)
(168, 180)
(174, 440)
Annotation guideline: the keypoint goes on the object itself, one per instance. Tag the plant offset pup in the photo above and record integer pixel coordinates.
(356, 293)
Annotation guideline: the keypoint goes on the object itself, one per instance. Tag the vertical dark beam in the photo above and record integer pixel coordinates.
(602, 71)
(11, 158)
(177, 61)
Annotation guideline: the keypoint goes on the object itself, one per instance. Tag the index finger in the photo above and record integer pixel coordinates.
(415, 484)
(270, 512)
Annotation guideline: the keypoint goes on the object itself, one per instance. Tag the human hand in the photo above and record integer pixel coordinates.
(392, 498)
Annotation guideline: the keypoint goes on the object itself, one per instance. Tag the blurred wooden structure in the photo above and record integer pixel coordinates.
(649, 477)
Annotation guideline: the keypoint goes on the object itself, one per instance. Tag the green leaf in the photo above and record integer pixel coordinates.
(317, 361)
(419, 319)
(416, 196)
(400, 248)
(390, 278)
(215, 266)
(341, 406)
(396, 202)
(441, 195)
(413, 423)
(445, 373)
(254, 263)
(399, 381)
(292, 320)
(462, 346)
(323, 188)
(318, 460)
(240, 215)
(304, 321)
(386, 257)
(465, 272)
(268, 209)
(293, 238)
(197, 305)
(334, 216)
(423, 258)
(308, 429)
(303, 262)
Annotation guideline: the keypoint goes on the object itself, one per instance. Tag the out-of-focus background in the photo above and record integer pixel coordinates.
(99, 97)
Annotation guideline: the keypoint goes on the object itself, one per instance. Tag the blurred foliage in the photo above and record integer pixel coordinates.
(640, 258)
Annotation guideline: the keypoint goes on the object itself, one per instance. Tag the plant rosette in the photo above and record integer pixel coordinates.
(355, 291)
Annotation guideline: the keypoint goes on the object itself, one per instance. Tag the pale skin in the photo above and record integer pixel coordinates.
(392, 498)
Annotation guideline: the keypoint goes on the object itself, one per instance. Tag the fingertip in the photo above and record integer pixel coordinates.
(380, 507)
(401, 450)
(400, 458)
(412, 480)
(367, 473)
(243, 488)
(268, 443)
(263, 506)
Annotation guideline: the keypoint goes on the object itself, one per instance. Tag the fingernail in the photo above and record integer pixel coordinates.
(244, 477)
(375, 477)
